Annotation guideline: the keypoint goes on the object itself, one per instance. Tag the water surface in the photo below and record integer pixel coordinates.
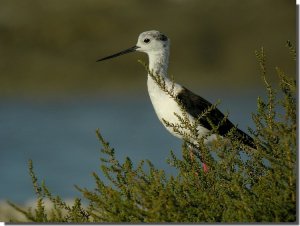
(59, 136)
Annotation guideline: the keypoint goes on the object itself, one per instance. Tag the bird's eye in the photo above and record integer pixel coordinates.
(146, 40)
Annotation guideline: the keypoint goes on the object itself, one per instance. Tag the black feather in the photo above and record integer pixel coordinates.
(196, 105)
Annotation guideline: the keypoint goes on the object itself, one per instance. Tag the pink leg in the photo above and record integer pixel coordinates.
(205, 167)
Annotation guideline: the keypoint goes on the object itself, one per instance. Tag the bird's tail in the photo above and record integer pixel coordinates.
(245, 139)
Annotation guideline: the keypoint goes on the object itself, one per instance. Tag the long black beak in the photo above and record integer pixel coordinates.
(132, 49)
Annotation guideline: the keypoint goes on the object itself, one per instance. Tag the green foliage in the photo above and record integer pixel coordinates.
(241, 184)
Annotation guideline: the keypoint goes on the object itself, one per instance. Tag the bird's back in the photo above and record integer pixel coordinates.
(196, 106)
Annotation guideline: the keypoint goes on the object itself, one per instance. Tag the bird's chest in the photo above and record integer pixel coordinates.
(165, 106)
(168, 109)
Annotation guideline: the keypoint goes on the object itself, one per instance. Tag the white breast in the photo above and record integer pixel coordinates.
(165, 106)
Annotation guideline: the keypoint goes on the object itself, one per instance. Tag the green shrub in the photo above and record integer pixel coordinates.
(241, 184)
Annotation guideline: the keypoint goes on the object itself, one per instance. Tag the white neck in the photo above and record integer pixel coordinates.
(158, 62)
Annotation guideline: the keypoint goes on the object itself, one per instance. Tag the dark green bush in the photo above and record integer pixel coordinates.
(258, 187)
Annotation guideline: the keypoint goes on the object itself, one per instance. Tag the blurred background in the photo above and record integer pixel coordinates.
(53, 94)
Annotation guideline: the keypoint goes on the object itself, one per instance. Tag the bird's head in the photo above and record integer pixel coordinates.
(149, 42)
(152, 41)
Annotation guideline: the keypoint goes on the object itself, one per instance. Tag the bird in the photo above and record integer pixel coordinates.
(157, 46)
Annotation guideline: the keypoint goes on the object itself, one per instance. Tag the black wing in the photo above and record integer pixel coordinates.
(196, 105)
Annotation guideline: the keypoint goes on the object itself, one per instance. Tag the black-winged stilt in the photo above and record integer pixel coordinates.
(157, 47)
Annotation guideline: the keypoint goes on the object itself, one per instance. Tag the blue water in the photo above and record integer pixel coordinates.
(59, 136)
